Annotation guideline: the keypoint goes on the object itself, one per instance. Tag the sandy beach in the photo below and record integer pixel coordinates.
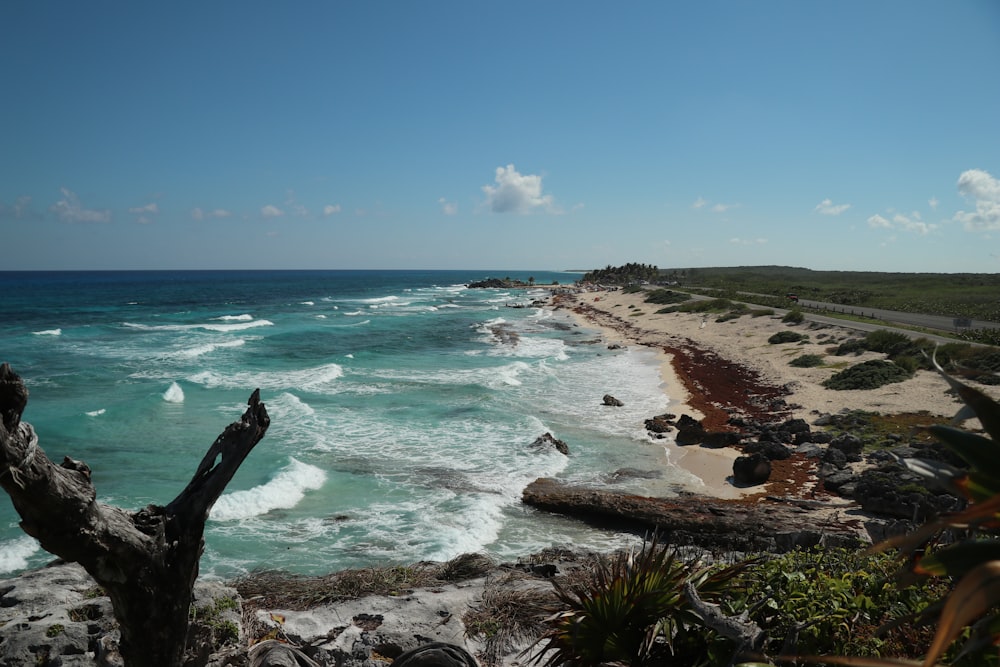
(711, 369)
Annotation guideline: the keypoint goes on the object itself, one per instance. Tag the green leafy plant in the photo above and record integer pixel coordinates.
(632, 610)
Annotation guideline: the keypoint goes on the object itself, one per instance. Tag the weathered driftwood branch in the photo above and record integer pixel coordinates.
(146, 560)
(745, 633)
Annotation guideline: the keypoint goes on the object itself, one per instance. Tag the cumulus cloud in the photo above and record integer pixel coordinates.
(908, 223)
(331, 209)
(720, 207)
(827, 207)
(201, 214)
(984, 191)
(271, 211)
(69, 209)
(933, 203)
(19, 210)
(878, 222)
(448, 207)
(148, 208)
(146, 213)
(516, 193)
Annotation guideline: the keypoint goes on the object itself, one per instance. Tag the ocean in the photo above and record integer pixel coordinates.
(403, 408)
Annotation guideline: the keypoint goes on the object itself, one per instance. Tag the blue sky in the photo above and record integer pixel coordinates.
(855, 135)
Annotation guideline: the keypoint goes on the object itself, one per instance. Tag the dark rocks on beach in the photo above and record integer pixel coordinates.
(892, 490)
(612, 401)
(548, 440)
(751, 470)
(773, 451)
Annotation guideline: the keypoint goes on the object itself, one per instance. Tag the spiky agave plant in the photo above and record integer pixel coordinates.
(630, 610)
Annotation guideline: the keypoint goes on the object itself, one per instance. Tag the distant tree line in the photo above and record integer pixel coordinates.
(626, 274)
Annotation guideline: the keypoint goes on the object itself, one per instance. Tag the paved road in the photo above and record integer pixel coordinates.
(909, 319)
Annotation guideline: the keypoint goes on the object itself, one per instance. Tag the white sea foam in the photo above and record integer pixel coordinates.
(207, 326)
(198, 350)
(307, 303)
(284, 491)
(355, 313)
(174, 394)
(354, 324)
(380, 299)
(321, 317)
(14, 554)
(320, 379)
(245, 317)
(48, 332)
(349, 356)
(96, 413)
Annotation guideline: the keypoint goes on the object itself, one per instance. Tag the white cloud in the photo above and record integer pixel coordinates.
(448, 207)
(331, 209)
(69, 209)
(293, 206)
(271, 211)
(148, 208)
(517, 193)
(739, 241)
(699, 203)
(201, 214)
(827, 207)
(722, 208)
(908, 223)
(984, 190)
(933, 203)
(913, 223)
(879, 222)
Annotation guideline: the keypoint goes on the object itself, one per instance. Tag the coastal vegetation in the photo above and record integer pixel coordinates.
(627, 274)
(971, 295)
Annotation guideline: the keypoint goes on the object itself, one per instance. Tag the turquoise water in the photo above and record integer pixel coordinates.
(403, 407)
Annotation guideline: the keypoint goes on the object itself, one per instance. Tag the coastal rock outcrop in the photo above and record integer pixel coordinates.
(612, 401)
(696, 520)
(547, 440)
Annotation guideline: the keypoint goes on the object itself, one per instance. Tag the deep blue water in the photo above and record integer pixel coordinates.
(403, 407)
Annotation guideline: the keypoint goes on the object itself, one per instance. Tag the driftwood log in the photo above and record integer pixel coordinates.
(146, 560)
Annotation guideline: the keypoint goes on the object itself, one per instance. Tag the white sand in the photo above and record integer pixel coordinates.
(744, 341)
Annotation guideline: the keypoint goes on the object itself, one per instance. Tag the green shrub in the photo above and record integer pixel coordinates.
(867, 375)
(665, 297)
(807, 361)
(853, 346)
(631, 289)
(761, 312)
(909, 364)
(886, 342)
(832, 601)
(787, 337)
(793, 317)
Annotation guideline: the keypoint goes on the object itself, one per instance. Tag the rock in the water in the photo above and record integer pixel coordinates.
(548, 440)
(612, 401)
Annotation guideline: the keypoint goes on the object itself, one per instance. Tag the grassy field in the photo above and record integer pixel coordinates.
(973, 295)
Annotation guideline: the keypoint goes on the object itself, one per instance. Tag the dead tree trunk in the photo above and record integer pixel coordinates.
(146, 560)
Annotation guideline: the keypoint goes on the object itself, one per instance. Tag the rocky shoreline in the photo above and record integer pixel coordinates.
(818, 489)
